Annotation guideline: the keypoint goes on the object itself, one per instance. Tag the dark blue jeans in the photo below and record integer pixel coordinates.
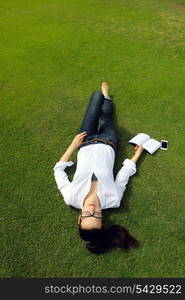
(98, 121)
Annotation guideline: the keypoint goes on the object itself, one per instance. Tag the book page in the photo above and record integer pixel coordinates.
(140, 139)
(151, 145)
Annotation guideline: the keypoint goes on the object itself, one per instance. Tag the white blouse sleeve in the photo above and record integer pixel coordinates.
(122, 178)
(60, 175)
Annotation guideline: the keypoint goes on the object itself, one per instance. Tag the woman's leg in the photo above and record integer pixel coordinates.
(92, 115)
(106, 128)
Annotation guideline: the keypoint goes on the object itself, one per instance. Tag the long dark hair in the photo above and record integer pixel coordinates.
(99, 241)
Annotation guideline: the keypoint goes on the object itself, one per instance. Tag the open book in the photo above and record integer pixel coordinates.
(148, 144)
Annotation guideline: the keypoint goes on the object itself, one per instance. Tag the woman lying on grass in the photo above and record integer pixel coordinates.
(93, 187)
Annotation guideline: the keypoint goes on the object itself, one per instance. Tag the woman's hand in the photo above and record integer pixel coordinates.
(78, 139)
(138, 149)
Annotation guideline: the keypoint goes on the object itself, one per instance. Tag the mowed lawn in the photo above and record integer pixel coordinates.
(53, 55)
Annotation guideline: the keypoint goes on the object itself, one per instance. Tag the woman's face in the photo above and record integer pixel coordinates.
(91, 223)
(91, 206)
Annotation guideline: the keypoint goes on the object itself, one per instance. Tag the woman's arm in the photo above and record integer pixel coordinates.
(138, 151)
(74, 145)
(60, 175)
(65, 157)
(128, 169)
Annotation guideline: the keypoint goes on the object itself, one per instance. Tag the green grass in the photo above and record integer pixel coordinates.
(53, 55)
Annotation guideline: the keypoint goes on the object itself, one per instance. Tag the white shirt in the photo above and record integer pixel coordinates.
(99, 159)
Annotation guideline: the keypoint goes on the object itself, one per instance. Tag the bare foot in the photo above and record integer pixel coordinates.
(105, 88)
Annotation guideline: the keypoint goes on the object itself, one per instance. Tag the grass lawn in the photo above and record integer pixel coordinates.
(53, 54)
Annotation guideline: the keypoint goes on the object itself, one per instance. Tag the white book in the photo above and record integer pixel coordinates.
(148, 143)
